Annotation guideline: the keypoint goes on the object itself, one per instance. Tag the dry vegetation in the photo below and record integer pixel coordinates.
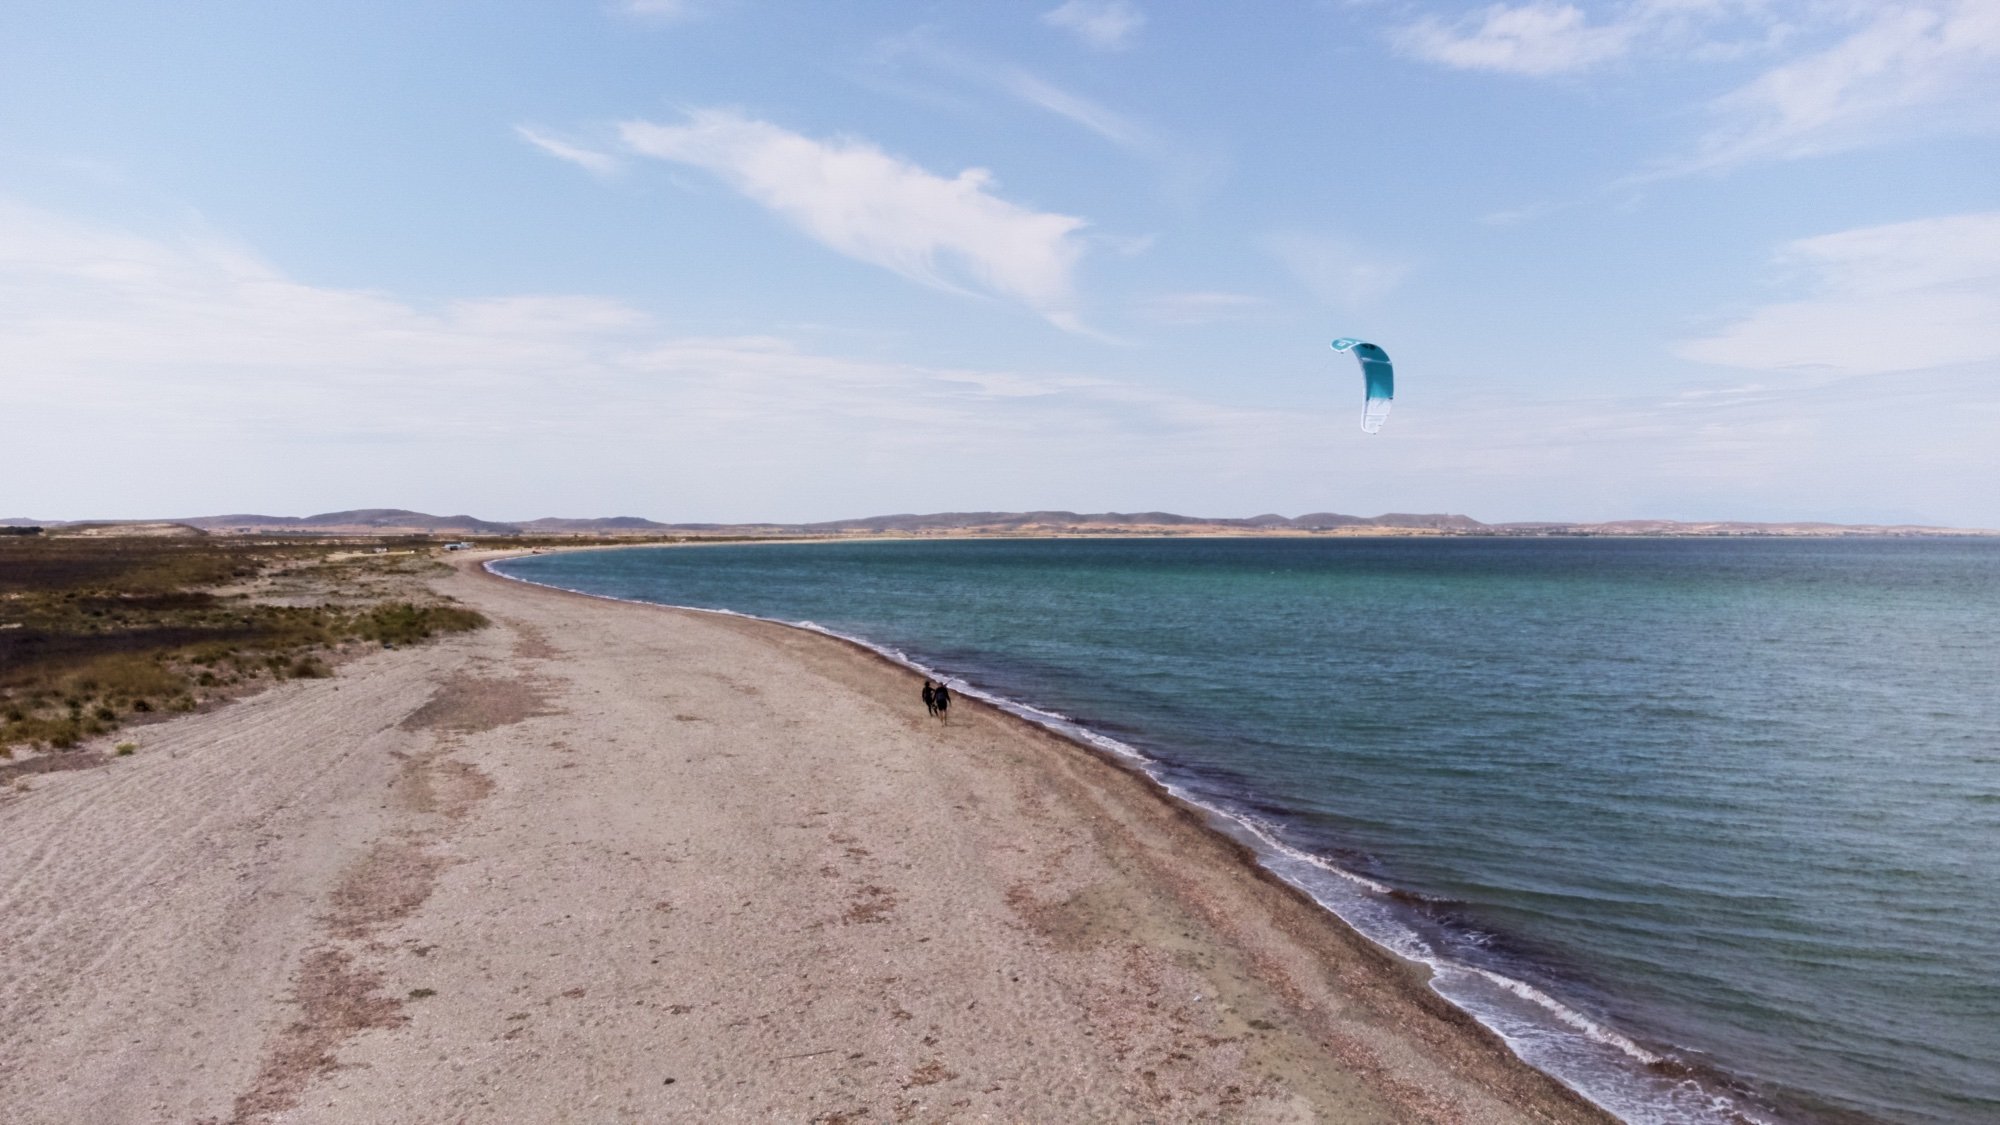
(98, 632)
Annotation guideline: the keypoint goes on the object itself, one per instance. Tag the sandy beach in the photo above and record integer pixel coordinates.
(603, 862)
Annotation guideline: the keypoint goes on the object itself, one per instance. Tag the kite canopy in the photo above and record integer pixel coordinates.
(1378, 380)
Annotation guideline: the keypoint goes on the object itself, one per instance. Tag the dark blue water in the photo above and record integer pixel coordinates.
(1702, 827)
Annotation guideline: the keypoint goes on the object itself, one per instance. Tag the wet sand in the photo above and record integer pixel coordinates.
(604, 862)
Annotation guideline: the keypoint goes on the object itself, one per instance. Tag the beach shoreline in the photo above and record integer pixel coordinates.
(1598, 1064)
(683, 866)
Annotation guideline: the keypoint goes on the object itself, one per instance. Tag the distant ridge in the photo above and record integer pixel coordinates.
(362, 520)
(402, 521)
(1316, 521)
(609, 523)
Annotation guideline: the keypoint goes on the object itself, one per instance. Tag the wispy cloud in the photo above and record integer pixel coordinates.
(1543, 38)
(1105, 122)
(595, 162)
(1537, 38)
(1335, 270)
(1901, 297)
(1107, 25)
(962, 67)
(664, 11)
(1913, 68)
(1199, 308)
(950, 232)
(197, 353)
(1840, 75)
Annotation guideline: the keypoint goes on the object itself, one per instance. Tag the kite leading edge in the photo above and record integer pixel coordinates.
(1378, 380)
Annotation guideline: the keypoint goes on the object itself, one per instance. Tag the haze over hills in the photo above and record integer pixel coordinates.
(401, 521)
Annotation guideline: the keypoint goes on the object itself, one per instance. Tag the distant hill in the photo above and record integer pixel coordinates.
(1051, 520)
(367, 521)
(551, 525)
(402, 521)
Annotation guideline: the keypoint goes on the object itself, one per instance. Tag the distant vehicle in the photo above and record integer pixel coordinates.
(460, 546)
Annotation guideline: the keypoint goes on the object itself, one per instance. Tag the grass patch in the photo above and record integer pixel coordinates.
(95, 631)
(407, 623)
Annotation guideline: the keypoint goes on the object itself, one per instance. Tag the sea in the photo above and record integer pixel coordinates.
(1707, 829)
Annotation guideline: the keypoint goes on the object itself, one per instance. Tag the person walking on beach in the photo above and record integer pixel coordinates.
(930, 697)
(941, 701)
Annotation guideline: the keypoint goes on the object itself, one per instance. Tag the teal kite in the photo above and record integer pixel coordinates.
(1377, 377)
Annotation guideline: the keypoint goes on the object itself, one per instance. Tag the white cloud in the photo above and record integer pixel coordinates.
(1851, 74)
(1538, 38)
(592, 161)
(1336, 271)
(1901, 297)
(857, 199)
(1107, 25)
(193, 375)
(1912, 68)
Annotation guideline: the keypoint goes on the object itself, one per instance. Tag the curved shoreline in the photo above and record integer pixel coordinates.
(1617, 1076)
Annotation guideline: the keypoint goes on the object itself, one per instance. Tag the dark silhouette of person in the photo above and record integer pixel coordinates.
(930, 697)
(941, 698)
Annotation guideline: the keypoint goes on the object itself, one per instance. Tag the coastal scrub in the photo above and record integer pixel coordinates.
(96, 631)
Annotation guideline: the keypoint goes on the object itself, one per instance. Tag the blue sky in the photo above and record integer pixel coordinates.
(732, 260)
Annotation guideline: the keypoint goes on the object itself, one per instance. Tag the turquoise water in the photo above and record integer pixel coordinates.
(1702, 827)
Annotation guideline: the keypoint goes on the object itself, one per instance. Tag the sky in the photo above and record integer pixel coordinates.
(733, 260)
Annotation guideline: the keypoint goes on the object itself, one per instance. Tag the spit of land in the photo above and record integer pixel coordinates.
(604, 862)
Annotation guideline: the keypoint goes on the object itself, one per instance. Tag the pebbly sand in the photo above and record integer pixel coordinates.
(605, 862)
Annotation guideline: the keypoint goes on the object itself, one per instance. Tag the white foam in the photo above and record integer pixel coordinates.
(1571, 1016)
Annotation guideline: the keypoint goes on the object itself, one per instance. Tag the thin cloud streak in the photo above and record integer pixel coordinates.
(1105, 122)
(1024, 86)
(590, 160)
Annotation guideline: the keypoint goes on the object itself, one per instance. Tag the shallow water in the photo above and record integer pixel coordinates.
(1701, 826)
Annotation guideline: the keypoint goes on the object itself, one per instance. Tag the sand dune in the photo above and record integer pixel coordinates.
(606, 863)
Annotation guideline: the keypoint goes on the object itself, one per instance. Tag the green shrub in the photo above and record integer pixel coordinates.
(405, 623)
(309, 668)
